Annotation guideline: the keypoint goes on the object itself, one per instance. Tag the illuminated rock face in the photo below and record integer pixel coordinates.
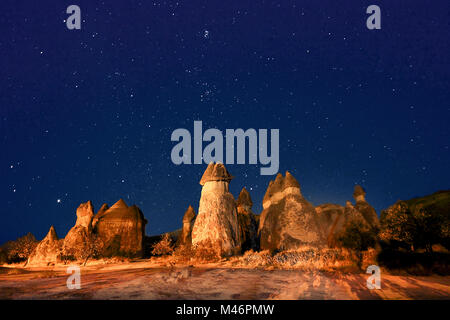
(216, 227)
(79, 237)
(47, 251)
(288, 221)
(334, 219)
(331, 221)
(185, 238)
(368, 212)
(121, 229)
(100, 213)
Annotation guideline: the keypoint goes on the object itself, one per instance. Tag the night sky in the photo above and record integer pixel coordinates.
(88, 114)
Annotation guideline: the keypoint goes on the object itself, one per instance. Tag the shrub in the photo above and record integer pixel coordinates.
(357, 236)
(304, 258)
(416, 263)
(414, 228)
(92, 247)
(206, 252)
(163, 247)
(183, 253)
(20, 249)
(3, 256)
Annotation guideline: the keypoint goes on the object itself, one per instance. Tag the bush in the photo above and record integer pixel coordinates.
(20, 249)
(304, 258)
(206, 252)
(163, 247)
(414, 228)
(91, 248)
(357, 236)
(3, 256)
(183, 253)
(415, 263)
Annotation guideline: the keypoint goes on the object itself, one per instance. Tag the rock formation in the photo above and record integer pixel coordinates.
(185, 238)
(121, 229)
(99, 213)
(288, 220)
(79, 238)
(331, 221)
(366, 209)
(216, 227)
(247, 222)
(47, 251)
(334, 220)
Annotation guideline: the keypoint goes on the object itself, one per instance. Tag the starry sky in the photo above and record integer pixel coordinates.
(88, 114)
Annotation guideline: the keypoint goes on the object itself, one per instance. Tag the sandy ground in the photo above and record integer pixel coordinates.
(139, 280)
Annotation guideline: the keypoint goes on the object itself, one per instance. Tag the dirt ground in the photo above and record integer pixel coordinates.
(139, 280)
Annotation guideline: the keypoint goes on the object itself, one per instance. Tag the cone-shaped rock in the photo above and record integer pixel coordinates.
(215, 172)
(185, 237)
(288, 220)
(216, 227)
(78, 238)
(365, 208)
(47, 251)
(121, 229)
(248, 227)
(119, 205)
(359, 193)
(244, 200)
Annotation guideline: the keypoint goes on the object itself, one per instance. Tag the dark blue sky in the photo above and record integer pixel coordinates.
(88, 114)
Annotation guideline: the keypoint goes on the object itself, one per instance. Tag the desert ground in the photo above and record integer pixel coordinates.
(143, 280)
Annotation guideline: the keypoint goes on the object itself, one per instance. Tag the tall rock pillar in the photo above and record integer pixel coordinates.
(216, 227)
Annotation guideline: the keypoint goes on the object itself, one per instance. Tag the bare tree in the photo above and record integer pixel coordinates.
(163, 247)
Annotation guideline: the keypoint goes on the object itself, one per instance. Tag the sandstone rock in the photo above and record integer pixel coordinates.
(99, 213)
(288, 220)
(247, 222)
(85, 214)
(121, 229)
(215, 172)
(244, 200)
(331, 220)
(79, 238)
(47, 251)
(185, 238)
(216, 226)
(366, 209)
(334, 220)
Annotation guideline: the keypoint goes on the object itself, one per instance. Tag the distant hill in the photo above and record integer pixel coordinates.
(438, 202)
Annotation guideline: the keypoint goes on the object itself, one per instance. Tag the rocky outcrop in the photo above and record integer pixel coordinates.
(47, 252)
(79, 238)
(331, 221)
(334, 219)
(121, 230)
(99, 213)
(288, 221)
(185, 237)
(368, 212)
(248, 227)
(216, 227)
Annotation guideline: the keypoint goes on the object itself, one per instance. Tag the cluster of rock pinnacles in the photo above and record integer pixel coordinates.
(224, 225)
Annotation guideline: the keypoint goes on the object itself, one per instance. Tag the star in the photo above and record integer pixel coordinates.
(58, 200)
